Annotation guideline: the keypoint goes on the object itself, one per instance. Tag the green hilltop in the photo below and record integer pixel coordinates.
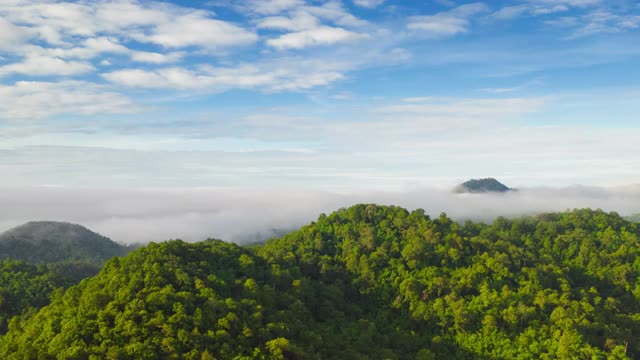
(42, 257)
(51, 241)
(487, 185)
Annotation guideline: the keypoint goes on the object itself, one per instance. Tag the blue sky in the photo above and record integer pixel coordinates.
(318, 94)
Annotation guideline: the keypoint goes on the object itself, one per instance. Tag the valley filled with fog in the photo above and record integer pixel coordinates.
(248, 215)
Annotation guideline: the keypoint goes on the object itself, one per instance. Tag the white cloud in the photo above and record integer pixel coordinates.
(535, 9)
(511, 12)
(466, 108)
(575, 3)
(104, 45)
(447, 23)
(335, 12)
(74, 35)
(326, 24)
(270, 77)
(300, 20)
(27, 100)
(323, 35)
(180, 78)
(602, 21)
(62, 23)
(404, 123)
(55, 22)
(156, 58)
(549, 10)
(598, 21)
(85, 50)
(368, 3)
(134, 215)
(150, 79)
(196, 29)
(113, 16)
(270, 7)
(308, 81)
(44, 65)
(11, 35)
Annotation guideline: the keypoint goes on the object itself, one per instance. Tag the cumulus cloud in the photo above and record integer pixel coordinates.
(143, 215)
(61, 23)
(44, 65)
(156, 58)
(311, 25)
(122, 40)
(324, 35)
(296, 22)
(196, 29)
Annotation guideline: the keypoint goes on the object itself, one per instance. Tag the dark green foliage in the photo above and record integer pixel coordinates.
(26, 286)
(482, 186)
(367, 282)
(48, 241)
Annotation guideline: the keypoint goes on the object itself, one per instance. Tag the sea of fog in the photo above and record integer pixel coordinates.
(241, 215)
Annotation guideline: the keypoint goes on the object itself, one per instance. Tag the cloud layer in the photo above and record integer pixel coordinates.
(313, 94)
(143, 215)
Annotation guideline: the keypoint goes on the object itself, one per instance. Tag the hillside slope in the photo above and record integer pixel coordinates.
(368, 282)
(24, 286)
(49, 241)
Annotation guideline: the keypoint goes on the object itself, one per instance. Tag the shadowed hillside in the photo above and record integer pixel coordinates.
(49, 241)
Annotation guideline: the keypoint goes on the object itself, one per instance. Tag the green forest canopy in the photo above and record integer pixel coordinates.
(367, 282)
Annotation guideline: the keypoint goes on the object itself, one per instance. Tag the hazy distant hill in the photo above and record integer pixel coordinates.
(482, 186)
(260, 236)
(49, 241)
(633, 218)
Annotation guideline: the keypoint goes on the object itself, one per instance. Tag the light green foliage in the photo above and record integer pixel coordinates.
(367, 282)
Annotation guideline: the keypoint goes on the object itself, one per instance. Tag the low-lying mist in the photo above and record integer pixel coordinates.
(240, 215)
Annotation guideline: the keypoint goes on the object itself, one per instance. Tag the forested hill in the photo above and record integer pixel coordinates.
(367, 282)
(50, 241)
(27, 287)
(487, 185)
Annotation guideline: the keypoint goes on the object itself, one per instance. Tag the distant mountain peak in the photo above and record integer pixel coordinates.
(486, 185)
(52, 241)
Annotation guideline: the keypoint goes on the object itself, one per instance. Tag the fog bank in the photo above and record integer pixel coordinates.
(240, 215)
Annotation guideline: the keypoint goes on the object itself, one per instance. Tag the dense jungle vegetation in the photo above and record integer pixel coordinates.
(367, 282)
